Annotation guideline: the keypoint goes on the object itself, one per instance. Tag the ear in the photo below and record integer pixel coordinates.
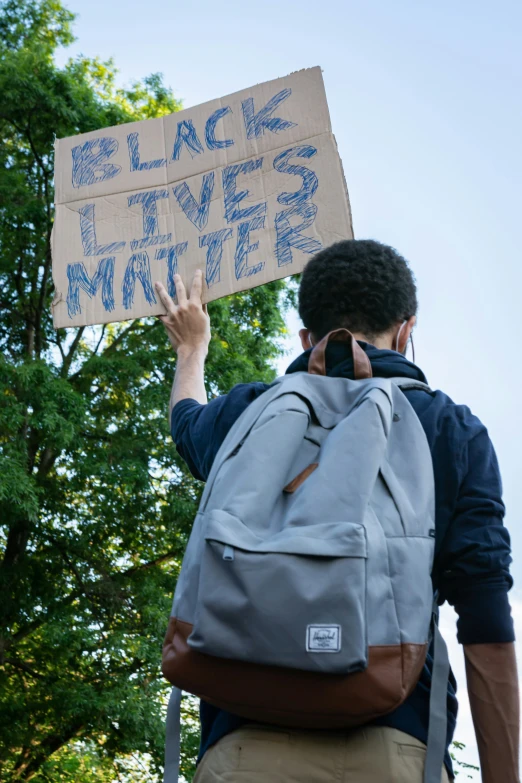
(306, 339)
(404, 333)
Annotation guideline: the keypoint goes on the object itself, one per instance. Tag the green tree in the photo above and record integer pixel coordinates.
(95, 504)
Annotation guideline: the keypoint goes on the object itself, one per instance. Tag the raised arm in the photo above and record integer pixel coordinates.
(188, 328)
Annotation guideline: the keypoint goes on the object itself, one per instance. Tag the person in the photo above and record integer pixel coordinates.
(369, 289)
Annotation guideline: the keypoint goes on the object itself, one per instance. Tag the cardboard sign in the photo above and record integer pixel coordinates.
(246, 188)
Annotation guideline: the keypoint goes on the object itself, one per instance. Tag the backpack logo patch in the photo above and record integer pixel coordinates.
(323, 638)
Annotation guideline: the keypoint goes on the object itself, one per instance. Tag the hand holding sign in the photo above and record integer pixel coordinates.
(187, 323)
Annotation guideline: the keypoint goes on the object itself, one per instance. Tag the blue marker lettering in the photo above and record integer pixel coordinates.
(256, 124)
(310, 181)
(196, 213)
(243, 248)
(172, 254)
(138, 268)
(232, 199)
(134, 155)
(186, 134)
(289, 237)
(78, 278)
(148, 200)
(88, 235)
(210, 130)
(214, 244)
(88, 166)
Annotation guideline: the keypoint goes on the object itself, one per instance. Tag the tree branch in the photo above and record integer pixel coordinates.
(117, 341)
(24, 667)
(122, 335)
(18, 275)
(47, 460)
(31, 759)
(58, 343)
(36, 624)
(72, 350)
(87, 590)
(96, 436)
(17, 539)
(100, 340)
(48, 261)
(150, 564)
(37, 157)
(48, 257)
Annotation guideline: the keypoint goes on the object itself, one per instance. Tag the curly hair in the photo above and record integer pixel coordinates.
(358, 284)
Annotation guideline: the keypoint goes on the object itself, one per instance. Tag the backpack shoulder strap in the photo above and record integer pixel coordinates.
(408, 384)
(438, 715)
(173, 738)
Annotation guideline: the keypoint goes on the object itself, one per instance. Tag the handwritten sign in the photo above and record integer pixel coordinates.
(246, 188)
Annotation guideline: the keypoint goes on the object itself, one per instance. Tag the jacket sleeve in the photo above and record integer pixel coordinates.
(475, 554)
(199, 430)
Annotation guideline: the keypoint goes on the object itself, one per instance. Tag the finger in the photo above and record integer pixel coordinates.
(181, 293)
(197, 287)
(165, 298)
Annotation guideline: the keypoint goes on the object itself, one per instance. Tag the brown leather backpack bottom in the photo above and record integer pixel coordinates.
(289, 697)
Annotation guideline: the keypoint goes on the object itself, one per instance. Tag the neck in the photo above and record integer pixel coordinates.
(383, 341)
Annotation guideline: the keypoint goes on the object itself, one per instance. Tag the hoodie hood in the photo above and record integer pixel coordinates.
(339, 363)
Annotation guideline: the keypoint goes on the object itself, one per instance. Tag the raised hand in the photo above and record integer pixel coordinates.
(187, 323)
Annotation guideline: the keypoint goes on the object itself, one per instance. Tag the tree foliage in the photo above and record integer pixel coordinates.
(459, 765)
(95, 504)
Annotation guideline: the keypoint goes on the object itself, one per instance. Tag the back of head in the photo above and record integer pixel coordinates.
(357, 284)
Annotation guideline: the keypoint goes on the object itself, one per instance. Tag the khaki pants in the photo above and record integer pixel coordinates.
(373, 754)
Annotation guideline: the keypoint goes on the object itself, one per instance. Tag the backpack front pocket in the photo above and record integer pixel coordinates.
(297, 599)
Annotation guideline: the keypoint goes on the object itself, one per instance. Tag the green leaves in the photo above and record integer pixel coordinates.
(95, 504)
(31, 23)
(461, 766)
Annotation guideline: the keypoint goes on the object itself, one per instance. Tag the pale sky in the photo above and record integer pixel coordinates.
(424, 100)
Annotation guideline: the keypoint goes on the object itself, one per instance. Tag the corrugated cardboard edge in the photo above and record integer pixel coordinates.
(348, 205)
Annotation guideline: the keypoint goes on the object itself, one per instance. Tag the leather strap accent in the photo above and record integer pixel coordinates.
(361, 364)
(300, 479)
(289, 697)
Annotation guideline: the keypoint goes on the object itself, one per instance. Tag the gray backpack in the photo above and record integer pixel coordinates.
(305, 597)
